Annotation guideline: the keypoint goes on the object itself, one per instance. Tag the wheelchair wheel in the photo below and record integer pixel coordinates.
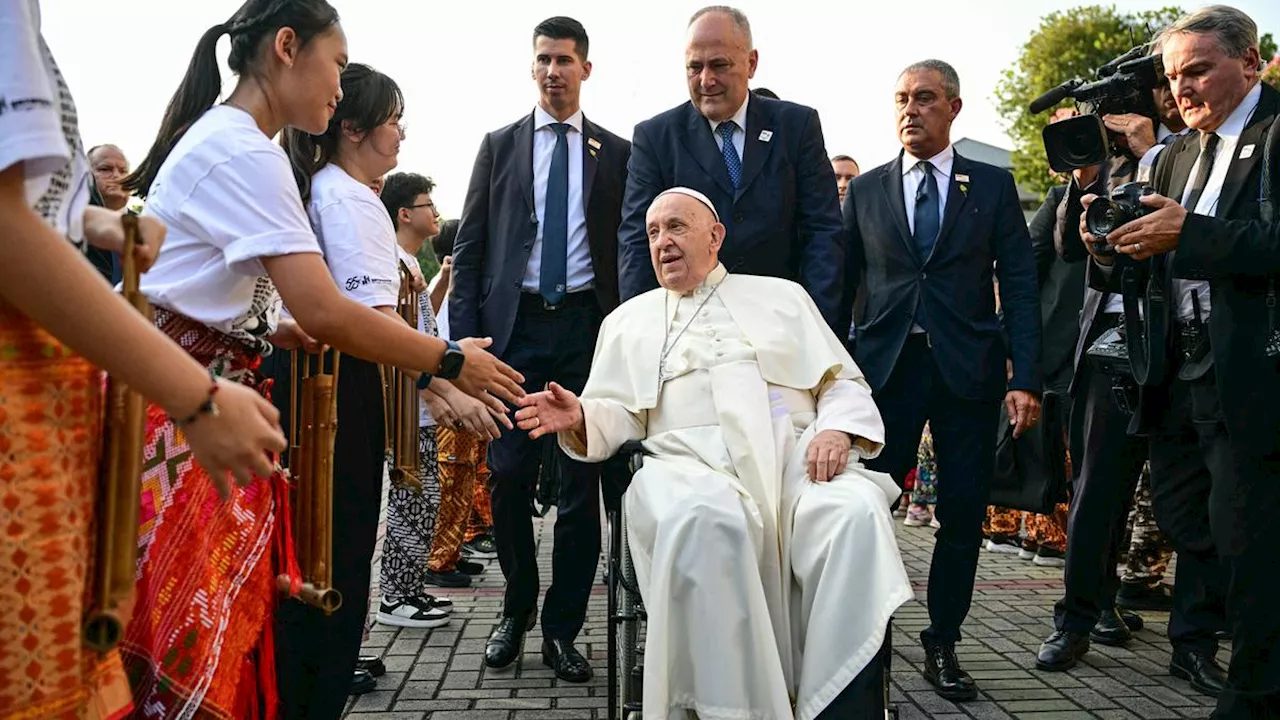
(629, 677)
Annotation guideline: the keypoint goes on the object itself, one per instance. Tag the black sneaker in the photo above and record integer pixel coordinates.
(412, 613)
(466, 567)
(452, 579)
(1141, 596)
(482, 547)
(440, 603)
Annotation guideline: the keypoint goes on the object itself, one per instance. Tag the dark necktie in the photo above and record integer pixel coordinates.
(1204, 166)
(927, 220)
(554, 271)
(731, 159)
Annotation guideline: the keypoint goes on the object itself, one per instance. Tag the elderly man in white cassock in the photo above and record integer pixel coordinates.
(764, 549)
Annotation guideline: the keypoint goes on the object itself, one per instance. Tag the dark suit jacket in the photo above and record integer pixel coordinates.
(1061, 295)
(499, 225)
(1238, 256)
(784, 219)
(982, 225)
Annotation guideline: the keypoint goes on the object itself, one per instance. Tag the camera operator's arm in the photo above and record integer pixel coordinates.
(1139, 131)
(1043, 228)
(1066, 235)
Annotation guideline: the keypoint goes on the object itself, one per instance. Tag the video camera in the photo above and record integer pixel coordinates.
(1124, 85)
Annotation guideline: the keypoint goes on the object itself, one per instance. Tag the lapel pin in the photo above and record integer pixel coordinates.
(593, 143)
(1246, 152)
(766, 135)
(962, 178)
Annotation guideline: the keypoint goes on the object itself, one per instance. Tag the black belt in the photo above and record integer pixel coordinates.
(534, 301)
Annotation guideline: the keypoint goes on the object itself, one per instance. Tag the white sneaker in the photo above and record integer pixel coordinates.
(1003, 546)
(412, 613)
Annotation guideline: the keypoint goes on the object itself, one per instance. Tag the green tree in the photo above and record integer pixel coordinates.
(1068, 44)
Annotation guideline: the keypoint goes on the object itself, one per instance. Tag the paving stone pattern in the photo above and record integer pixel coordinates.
(440, 674)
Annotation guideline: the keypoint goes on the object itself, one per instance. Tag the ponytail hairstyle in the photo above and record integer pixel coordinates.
(369, 99)
(255, 22)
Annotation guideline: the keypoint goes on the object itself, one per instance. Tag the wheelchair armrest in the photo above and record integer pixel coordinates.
(633, 451)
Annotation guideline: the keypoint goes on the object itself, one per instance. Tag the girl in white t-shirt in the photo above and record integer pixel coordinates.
(52, 300)
(237, 233)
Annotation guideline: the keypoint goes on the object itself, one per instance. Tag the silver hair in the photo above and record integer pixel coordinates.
(950, 78)
(1236, 32)
(738, 17)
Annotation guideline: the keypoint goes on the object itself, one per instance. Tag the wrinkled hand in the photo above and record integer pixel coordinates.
(238, 439)
(477, 417)
(1153, 234)
(550, 411)
(1138, 130)
(1088, 239)
(828, 455)
(487, 378)
(289, 335)
(104, 229)
(1023, 409)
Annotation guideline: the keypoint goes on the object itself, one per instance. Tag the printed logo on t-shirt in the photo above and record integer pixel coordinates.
(33, 103)
(356, 281)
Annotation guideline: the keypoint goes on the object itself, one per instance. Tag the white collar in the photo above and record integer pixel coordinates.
(542, 118)
(712, 279)
(740, 117)
(941, 162)
(1233, 126)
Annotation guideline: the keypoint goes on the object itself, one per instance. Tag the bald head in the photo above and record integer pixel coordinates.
(109, 167)
(684, 240)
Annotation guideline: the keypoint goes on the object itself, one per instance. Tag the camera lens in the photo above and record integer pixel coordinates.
(1103, 217)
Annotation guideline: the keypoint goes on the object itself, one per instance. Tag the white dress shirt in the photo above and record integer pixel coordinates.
(580, 274)
(739, 133)
(1223, 156)
(913, 175)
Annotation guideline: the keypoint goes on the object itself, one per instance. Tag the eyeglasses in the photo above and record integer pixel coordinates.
(431, 205)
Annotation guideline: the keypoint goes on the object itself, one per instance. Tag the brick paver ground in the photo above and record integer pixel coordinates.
(439, 674)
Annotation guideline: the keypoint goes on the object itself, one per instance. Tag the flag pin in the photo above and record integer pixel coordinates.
(962, 178)
(766, 135)
(593, 143)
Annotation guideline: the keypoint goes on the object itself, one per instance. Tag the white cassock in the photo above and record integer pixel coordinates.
(766, 593)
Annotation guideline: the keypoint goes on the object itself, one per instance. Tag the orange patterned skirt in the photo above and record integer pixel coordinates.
(200, 644)
(50, 443)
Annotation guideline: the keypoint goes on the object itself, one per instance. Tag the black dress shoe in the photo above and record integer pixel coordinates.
(1141, 596)
(371, 664)
(504, 644)
(1199, 668)
(362, 683)
(466, 567)
(942, 670)
(564, 658)
(1111, 630)
(1133, 621)
(1062, 651)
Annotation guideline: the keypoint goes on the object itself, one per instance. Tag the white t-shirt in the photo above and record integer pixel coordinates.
(228, 197)
(38, 122)
(426, 323)
(356, 236)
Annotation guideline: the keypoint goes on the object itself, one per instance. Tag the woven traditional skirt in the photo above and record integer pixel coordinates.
(50, 443)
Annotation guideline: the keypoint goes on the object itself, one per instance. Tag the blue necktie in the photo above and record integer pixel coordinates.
(927, 220)
(554, 271)
(731, 159)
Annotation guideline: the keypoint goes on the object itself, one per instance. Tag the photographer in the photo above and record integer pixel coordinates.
(1211, 415)
(1108, 460)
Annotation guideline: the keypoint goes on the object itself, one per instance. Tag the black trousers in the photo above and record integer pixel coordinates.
(548, 345)
(316, 655)
(864, 697)
(964, 439)
(1218, 504)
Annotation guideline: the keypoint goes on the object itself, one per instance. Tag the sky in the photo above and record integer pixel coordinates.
(464, 66)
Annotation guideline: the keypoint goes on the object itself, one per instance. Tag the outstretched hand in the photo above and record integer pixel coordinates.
(487, 378)
(550, 411)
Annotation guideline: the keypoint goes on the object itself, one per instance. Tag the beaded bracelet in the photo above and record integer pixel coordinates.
(208, 407)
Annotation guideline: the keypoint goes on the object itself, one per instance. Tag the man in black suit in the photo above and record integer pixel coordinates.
(931, 344)
(534, 267)
(761, 161)
(1208, 403)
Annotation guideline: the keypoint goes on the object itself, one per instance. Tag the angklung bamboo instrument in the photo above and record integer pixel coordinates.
(311, 442)
(119, 487)
(401, 400)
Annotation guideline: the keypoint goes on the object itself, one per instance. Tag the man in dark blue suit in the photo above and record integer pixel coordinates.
(761, 161)
(535, 268)
(928, 229)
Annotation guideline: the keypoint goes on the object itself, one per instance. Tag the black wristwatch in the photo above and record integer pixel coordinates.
(451, 365)
(424, 381)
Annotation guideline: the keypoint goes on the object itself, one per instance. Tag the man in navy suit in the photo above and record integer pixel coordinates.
(535, 268)
(928, 229)
(761, 161)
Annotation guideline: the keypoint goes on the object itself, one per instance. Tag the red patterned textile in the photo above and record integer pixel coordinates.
(50, 442)
(199, 645)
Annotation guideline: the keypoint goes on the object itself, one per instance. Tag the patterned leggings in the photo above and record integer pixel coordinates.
(1047, 530)
(1149, 550)
(481, 509)
(411, 519)
(462, 467)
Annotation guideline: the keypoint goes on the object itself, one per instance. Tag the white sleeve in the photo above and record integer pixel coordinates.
(30, 125)
(249, 207)
(360, 248)
(1147, 163)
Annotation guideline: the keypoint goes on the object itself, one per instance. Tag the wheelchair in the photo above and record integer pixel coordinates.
(626, 608)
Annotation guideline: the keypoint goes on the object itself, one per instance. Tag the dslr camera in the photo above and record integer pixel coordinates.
(1123, 85)
(1106, 214)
